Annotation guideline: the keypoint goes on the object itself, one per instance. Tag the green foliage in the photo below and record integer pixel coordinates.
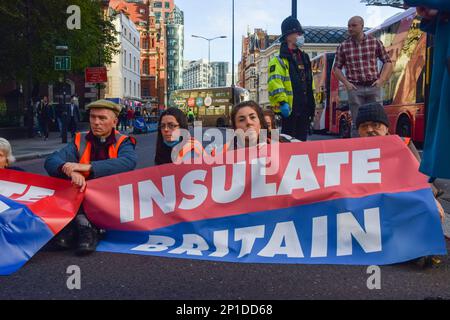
(93, 45)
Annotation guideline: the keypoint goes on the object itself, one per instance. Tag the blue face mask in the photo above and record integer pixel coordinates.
(300, 41)
(171, 144)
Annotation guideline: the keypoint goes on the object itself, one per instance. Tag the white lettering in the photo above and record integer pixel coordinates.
(308, 182)
(248, 236)
(198, 191)
(332, 163)
(286, 233)
(219, 194)
(165, 200)
(348, 227)
(319, 247)
(361, 166)
(260, 188)
(126, 203)
(221, 244)
(156, 244)
(193, 245)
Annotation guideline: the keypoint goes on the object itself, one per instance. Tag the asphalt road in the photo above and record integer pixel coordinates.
(120, 276)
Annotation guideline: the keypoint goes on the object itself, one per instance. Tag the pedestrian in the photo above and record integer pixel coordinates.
(123, 120)
(359, 55)
(191, 116)
(6, 156)
(170, 123)
(98, 153)
(130, 116)
(291, 82)
(436, 21)
(59, 116)
(45, 116)
(74, 116)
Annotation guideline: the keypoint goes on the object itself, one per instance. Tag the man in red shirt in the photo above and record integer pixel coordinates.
(359, 56)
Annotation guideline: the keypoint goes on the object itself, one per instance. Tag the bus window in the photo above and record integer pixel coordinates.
(420, 89)
(210, 111)
(201, 111)
(219, 110)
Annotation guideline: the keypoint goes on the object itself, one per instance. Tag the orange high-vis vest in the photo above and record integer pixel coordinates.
(84, 147)
(192, 145)
(406, 141)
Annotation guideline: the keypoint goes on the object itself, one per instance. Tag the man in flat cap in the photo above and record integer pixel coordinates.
(101, 152)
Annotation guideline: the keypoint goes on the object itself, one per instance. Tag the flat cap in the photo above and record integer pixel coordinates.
(105, 104)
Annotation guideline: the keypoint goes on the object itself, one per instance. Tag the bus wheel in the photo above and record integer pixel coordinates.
(344, 129)
(220, 123)
(404, 127)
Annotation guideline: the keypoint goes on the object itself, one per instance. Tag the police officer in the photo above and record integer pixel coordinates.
(101, 152)
(291, 83)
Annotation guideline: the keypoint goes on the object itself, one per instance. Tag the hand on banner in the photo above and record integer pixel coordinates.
(78, 180)
(70, 167)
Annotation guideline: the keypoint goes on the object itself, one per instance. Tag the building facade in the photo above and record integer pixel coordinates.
(150, 17)
(195, 74)
(175, 49)
(124, 79)
(219, 72)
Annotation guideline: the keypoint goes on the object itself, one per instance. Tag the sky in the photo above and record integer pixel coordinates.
(211, 18)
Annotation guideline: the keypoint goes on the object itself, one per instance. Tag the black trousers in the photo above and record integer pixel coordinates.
(295, 126)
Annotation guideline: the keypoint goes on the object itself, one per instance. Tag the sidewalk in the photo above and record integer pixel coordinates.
(34, 148)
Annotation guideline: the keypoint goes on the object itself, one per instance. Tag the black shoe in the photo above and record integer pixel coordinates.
(427, 262)
(87, 240)
(66, 238)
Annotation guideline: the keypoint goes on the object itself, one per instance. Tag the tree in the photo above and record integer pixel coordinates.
(92, 45)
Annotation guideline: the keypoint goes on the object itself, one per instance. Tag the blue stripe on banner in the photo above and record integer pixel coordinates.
(22, 234)
(378, 229)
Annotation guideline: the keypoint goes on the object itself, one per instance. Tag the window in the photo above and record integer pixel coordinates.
(145, 67)
(157, 4)
(124, 85)
(144, 43)
(130, 60)
(167, 5)
(134, 66)
(124, 57)
(130, 87)
(158, 16)
(166, 15)
(135, 89)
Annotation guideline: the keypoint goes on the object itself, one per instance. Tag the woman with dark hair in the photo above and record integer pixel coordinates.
(269, 116)
(249, 117)
(169, 125)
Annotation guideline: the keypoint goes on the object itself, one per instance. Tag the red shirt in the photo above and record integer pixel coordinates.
(360, 59)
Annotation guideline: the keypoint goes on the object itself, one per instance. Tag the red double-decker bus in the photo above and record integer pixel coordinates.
(405, 94)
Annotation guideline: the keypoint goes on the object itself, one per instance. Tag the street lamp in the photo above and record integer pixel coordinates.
(209, 52)
(64, 111)
(294, 8)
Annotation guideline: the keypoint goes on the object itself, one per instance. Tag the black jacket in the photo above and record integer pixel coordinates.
(304, 104)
